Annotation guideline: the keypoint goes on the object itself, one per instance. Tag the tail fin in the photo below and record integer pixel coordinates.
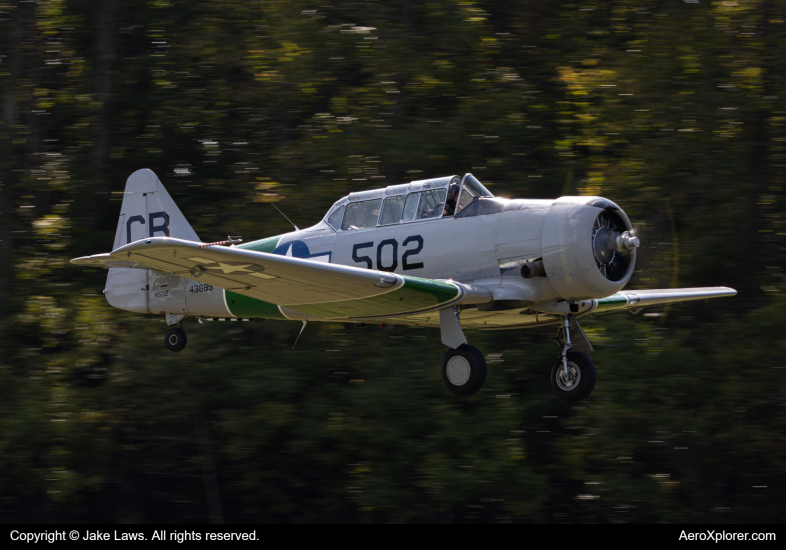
(149, 211)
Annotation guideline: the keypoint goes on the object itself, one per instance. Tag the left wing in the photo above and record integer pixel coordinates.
(322, 289)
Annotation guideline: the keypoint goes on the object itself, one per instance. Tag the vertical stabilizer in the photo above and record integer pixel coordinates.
(147, 211)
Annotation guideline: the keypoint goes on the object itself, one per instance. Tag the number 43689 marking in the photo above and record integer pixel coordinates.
(415, 240)
(200, 288)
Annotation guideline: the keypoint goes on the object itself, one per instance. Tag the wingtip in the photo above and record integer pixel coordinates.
(80, 261)
(90, 261)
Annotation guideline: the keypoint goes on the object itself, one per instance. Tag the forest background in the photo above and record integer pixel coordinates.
(673, 109)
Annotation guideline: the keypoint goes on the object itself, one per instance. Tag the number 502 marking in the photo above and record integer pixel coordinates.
(417, 240)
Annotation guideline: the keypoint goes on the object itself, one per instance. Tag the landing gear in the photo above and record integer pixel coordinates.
(573, 376)
(573, 380)
(175, 339)
(464, 370)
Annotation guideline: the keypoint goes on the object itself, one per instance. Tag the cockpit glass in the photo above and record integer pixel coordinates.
(391, 210)
(431, 204)
(427, 199)
(361, 214)
(410, 207)
(371, 210)
(471, 188)
(353, 218)
(475, 186)
(422, 185)
(335, 218)
(450, 202)
(466, 198)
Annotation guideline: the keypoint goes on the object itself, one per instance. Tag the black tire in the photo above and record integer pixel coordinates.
(583, 370)
(175, 339)
(464, 370)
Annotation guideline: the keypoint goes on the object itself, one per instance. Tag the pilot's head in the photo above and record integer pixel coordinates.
(453, 191)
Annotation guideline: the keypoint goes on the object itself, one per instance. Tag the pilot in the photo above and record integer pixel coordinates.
(450, 202)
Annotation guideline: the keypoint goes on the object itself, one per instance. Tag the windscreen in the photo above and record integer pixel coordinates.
(472, 183)
(335, 218)
(471, 189)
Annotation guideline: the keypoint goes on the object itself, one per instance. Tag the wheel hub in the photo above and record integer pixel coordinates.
(458, 370)
(569, 381)
(173, 339)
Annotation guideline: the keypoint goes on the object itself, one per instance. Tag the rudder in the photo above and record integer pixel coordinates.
(147, 211)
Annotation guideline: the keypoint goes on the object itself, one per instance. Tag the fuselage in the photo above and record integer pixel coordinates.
(465, 249)
(484, 249)
(441, 229)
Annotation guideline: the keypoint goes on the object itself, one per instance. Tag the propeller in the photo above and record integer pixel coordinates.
(612, 244)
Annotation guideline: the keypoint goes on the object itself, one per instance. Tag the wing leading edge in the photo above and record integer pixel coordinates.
(637, 299)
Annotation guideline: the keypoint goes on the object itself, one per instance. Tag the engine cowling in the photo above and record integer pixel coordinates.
(589, 247)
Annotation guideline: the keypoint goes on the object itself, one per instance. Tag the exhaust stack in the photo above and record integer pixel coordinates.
(533, 269)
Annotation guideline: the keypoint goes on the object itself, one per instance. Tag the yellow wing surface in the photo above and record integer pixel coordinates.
(322, 289)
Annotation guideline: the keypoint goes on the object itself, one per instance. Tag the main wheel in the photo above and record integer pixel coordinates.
(464, 370)
(580, 380)
(175, 339)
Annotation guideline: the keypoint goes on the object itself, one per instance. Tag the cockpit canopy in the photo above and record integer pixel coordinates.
(405, 203)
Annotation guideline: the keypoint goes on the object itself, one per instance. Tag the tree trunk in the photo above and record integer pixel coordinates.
(105, 56)
(10, 113)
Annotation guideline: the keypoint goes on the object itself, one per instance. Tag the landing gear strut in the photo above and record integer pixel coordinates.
(573, 376)
(175, 339)
(463, 367)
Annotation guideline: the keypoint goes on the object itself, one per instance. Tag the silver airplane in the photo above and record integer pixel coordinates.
(440, 252)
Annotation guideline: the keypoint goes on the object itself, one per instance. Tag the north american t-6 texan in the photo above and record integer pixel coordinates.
(440, 252)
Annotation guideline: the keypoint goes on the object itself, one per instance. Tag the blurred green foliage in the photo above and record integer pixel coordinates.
(674, 110)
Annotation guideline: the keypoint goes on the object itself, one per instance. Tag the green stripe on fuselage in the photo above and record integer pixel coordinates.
(610, 303)
(414, 295)
(251, 308)
(262, 245)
